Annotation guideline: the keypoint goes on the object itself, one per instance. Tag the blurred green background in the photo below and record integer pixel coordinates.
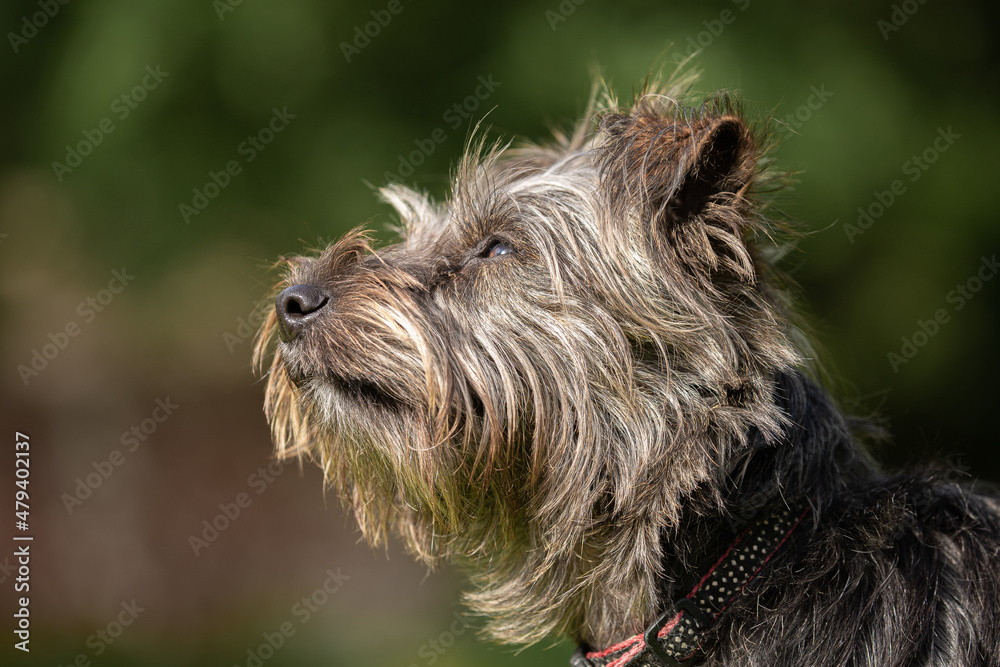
(143, 104)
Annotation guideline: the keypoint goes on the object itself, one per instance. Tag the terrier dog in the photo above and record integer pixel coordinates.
(581, 379)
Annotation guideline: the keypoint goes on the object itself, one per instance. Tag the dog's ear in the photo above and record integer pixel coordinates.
(685, 181)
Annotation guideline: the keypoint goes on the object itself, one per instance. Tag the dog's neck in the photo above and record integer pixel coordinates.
(675, 636)
(815, 454)
(622, 574)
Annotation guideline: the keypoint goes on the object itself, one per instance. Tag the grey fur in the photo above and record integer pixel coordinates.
(572, 421)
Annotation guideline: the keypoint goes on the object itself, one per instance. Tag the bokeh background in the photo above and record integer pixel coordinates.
(863, 88)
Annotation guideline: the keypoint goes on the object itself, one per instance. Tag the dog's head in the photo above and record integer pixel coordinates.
(548, 362)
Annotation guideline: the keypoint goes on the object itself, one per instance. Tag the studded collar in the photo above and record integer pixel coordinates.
(674, 638)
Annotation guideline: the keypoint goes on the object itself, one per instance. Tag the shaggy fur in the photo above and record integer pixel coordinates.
(573, 374)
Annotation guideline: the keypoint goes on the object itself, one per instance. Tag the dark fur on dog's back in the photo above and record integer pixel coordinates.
(577, 418)
(891, 569)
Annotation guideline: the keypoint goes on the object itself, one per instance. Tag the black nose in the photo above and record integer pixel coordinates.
(296, 306)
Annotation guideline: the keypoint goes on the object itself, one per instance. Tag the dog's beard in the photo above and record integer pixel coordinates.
(341, 398)
(399, 465)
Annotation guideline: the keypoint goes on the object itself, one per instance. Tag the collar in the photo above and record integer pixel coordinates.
(674, 638)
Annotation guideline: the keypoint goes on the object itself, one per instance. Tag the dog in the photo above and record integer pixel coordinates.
(581, 378)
